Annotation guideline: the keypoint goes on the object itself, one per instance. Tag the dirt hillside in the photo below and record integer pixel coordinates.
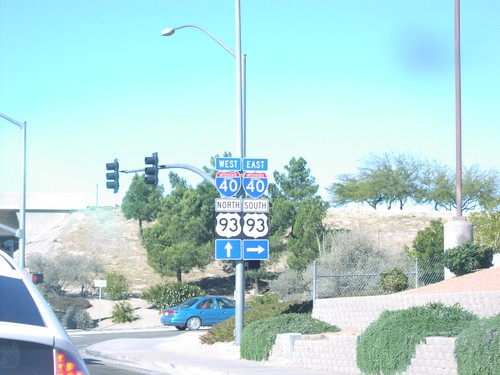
(106, 234)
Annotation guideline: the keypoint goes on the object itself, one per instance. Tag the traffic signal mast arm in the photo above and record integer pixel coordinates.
(198, 171)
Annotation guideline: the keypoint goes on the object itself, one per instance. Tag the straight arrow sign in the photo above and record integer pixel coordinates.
(228, 249)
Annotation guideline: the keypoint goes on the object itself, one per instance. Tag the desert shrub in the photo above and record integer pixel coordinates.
(259, 337)
(477, 349)
(388, 344)
(292, 285)
(467, 258)
(350, 265)
(262, 307)
(60, 305)
(77, 318)
(393, 281)
(117, 286)
(123, 312)
(171, 294)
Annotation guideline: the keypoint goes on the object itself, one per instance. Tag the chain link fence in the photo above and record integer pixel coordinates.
(365, 279)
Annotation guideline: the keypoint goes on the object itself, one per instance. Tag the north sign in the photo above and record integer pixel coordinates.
(227, 205)
(255, 183)
(228, 182)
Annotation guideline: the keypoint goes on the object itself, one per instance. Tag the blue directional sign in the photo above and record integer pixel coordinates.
(254, 164)
(228, 249)
(228, 183)
(255, 183)
(228, 164)
(255, 249)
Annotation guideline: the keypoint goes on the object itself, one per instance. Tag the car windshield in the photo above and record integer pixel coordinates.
(16, 304)
(189, 302)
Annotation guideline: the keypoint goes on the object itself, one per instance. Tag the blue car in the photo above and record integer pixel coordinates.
(198, 311)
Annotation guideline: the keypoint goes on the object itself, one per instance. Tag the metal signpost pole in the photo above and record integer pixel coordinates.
(21, 234)
(240, 263)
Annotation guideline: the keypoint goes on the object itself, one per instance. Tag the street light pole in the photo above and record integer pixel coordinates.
(22, 209)
(241, 124)
(240, 145)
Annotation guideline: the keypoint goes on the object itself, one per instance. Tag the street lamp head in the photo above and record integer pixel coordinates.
(167, 32)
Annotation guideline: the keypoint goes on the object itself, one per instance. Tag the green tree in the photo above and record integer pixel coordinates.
(388, 178)
(393, 178)
(297, 213)
(141, 201)
(66, 271)
(479, 188)
(182, 237)
(428, 245)
(429, 242)
(487, 228)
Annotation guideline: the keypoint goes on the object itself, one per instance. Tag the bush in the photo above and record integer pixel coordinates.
(291, 285)
(259, 337)
(389, 343)
(171, 294)
(262, 307)
(60, 305)
(467, 258)
(123, 312)
(117, 286)
(76, 318)
(477, 348)
(394, 280)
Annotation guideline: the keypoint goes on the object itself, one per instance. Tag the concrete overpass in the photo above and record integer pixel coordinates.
(43, 211)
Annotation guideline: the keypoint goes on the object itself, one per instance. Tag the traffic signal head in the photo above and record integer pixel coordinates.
(151, 169)
(113, 177)
(37, 278)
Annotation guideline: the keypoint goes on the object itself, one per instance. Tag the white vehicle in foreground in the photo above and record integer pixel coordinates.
(32, 340)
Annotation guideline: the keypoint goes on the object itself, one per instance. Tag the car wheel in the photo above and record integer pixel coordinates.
(181, 328)
(193, 323)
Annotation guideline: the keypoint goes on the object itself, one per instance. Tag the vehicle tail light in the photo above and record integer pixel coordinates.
(68, 364)
(170, 312)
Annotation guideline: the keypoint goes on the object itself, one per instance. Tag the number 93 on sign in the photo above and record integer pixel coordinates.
(228, 225)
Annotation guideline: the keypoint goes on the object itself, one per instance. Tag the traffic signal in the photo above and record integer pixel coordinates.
(113, 177)
(37, 278)
(151, 173)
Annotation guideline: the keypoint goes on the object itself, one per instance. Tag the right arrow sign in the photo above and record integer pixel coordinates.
(256, 249)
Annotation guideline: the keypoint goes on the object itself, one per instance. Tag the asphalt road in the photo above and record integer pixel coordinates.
(98, 367)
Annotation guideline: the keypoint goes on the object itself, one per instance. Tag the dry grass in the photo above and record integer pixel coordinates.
(104, 233)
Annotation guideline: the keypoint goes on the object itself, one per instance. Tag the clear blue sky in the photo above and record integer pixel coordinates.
(331, 81)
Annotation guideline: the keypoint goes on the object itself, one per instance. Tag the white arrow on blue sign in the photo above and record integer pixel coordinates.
(255, 249)
(255, 183)
(228, 249)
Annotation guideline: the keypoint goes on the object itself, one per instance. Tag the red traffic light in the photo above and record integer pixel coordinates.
(37, 278)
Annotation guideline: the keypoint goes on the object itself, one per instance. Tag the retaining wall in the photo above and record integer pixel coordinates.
(336, 353)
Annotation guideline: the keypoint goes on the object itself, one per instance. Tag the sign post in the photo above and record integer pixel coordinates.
(242, 223)
(100, 284)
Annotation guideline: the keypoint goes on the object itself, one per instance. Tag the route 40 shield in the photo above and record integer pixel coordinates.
(228, 183)
(255, 183)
